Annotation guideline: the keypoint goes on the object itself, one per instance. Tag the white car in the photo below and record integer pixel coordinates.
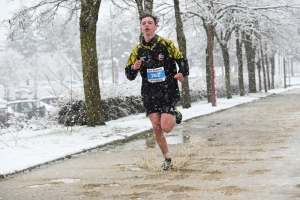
(50, 100)
(28, 107)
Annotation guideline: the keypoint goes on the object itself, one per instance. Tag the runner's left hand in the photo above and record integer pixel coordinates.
(179, 77)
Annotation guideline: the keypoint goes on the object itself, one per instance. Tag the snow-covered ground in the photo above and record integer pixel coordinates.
(26, 148)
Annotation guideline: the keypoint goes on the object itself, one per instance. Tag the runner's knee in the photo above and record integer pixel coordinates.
(166, 129)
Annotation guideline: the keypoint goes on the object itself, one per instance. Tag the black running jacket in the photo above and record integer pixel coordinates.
(158, 69)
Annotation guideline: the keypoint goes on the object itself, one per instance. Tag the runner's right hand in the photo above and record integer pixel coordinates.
(137, 65)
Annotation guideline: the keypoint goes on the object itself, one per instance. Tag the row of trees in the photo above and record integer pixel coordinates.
(260, 30)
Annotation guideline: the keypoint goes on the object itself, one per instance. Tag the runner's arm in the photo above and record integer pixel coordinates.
(179, 59)
(129, 72)
(183, 66)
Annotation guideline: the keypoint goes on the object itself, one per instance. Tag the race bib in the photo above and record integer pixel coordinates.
(156, 75)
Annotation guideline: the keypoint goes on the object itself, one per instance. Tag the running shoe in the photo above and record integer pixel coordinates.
(167, 165)
(178, 115)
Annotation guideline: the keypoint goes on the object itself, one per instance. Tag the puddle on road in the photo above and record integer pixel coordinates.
(40, 186)
(61, 180)
(114, 185)
(65, 180)
(131, 168)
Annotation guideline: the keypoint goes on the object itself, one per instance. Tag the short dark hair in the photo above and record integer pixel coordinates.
(145, 14)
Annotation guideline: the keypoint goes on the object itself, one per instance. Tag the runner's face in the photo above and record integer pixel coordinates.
(148, 26)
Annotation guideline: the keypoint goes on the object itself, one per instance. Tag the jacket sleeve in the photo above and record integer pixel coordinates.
(130, 73)
(182, 62)
(183, 66)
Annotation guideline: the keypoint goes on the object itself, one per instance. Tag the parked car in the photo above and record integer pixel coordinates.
(73, 83)
(51, 100)
(23, 93)
(29, 107)
(4, 117)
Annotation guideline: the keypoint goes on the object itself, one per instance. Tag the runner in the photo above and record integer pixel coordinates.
(155, 58)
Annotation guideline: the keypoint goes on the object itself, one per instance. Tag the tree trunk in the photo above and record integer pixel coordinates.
(186, 98)
(88, 26)
(239, 55)
(259, 75)
(208, 76)
(207, 65)
(250, 55)
(284, 73)
(268, 71)
(223, 38)
(272, 61)
(259, 71)
(148, 5)
(144, 6)
(263, 67)
(292, 67)
(267, 67)
(211, 65)
(226, 61)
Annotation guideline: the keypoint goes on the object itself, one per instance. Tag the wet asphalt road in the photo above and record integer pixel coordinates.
(250, 151)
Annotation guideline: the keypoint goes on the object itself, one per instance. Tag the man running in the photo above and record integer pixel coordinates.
(155, 58)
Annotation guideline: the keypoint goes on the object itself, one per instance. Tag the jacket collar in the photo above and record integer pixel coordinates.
(152, 43)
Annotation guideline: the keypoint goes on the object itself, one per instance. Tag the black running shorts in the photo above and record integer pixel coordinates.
(160, 107)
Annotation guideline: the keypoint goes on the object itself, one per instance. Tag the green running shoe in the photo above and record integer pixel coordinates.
(167, 165)
(178, 115)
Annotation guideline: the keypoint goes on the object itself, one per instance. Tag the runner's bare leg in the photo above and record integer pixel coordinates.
(162, 123)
